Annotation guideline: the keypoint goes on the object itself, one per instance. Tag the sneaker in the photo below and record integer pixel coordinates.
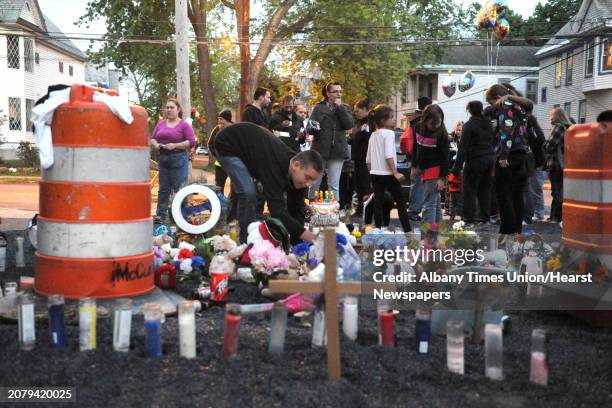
(527, 221)
(416, 217)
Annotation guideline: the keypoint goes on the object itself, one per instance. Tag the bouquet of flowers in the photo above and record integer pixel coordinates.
(268, 261)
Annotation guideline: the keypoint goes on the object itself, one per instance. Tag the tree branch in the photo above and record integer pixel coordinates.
(229, 4)
(298, 25)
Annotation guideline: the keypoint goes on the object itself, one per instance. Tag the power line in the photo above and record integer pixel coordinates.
(478, 91)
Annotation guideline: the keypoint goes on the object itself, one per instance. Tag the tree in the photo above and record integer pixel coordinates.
(361, 54)
(278, 23)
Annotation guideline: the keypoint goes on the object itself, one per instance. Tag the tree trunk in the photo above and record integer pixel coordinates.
(270, 37)
(198, 18)
(243, 16)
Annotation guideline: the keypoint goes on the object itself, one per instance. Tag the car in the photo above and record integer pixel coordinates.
(203, 150)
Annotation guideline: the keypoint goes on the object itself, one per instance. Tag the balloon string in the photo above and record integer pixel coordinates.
(496, 56)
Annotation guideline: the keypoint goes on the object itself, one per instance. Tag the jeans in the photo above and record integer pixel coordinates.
(173, 170)
(510, 183)
(433, 211)
(389, 183)
(477, 182)
(333, 169)
(244, 190)
(534, 195)
(556, 190)
(416, 196)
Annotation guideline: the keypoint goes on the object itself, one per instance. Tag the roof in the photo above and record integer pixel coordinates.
(65, 44)
(10, 9)
(476, 55)
(591, 16)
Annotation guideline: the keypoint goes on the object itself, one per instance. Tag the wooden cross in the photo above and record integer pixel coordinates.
(331, 289)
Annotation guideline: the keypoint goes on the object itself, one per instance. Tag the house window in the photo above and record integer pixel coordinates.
(29, 106)
(28, 55)
(567, 107)
(14, 114)
(61, 66)
(582, 111)
(589, 56)
(606, 55)
(70, 70)
(12, 51)
(543, 96)
(558, 71)
(37, 58)
(569, 69)
(532, 90)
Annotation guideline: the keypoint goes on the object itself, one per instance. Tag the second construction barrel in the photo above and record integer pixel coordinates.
(95, 226)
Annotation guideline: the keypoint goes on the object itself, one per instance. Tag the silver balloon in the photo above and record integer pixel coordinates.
(467, 81)
(449, 86)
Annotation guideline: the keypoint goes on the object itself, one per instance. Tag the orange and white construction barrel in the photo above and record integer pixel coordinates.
(95, 226)
(587, 190)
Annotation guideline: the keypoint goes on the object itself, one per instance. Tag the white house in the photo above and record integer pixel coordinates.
(576, 66)
(514, 64)
(33, 55)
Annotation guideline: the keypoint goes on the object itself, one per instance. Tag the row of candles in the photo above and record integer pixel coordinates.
(122, 320)
(122, 324)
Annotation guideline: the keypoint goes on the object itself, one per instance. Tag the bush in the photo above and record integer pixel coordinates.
(28, 154)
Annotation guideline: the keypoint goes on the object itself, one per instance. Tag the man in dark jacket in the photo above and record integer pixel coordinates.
(335, 119)
(248, 151)
(533, 195)
(254, 112)
(287, 125)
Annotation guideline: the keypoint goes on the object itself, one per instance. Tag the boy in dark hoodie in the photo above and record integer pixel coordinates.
(476, 150)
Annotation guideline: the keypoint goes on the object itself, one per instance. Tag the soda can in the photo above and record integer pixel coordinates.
(219, 286)
(202, 293)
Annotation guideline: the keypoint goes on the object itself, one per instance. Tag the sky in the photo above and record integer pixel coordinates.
(65, 13)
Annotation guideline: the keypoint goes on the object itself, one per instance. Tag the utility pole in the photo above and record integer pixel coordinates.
(183, 85)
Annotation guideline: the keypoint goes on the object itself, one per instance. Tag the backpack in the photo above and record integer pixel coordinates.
(536, 140)
(512, 127)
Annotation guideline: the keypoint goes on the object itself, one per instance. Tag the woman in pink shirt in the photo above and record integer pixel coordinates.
(173, 137)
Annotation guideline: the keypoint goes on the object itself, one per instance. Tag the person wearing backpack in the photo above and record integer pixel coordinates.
(515, 161)
(555, 150)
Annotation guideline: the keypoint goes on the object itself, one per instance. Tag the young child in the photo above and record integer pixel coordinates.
(382, 164)
(455, 208)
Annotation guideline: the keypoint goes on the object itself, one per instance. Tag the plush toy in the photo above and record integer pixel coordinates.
(271, 230)
(162, 239)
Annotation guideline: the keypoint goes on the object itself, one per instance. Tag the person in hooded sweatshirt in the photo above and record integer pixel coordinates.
(476, 150)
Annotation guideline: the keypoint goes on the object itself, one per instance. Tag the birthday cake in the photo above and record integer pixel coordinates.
(325, 210)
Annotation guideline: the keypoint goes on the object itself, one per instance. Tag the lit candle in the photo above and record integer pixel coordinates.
(56, 320)
(387, 329)
(122, 324)
(454, 346)
(319, 332)
(423, 330)
(350, 317)
(187, 330)
(232, 330)
(539, 363)
(152, 316)
(493, 352)
(278, 328)
(87, 323)
(382, 306)
(19, 260)
(10, 289)
(25, 316)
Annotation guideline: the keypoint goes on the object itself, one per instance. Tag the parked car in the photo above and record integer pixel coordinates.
(203, 150)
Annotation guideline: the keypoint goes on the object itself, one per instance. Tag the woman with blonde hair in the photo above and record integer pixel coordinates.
(555, 150)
